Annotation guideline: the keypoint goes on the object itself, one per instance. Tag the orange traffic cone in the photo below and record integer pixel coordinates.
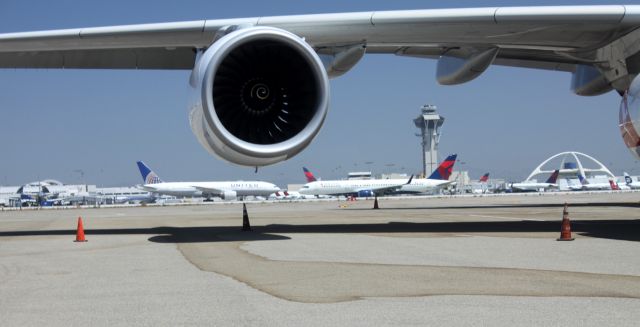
(80, 231)
(375, 203)
(565, 230)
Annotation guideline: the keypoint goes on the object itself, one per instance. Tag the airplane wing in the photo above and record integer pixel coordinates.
(249, 65)
(556, 38)
(147, 188)
(209, 190)
(385, 189)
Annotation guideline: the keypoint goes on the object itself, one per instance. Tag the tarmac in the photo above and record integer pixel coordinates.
(445, 261)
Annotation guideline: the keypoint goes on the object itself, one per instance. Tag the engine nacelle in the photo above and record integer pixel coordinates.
(260, 96)
(588, 81)
(630, 117)
(229, 195)
(365, 194)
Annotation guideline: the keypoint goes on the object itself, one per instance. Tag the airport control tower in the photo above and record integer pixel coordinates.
(429, 123)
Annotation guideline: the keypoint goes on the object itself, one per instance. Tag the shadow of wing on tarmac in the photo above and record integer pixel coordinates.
(628, 230)
(163, 234)
(517, 205)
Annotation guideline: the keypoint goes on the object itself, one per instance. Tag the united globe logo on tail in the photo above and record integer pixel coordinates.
(148, 176)
(152, 178)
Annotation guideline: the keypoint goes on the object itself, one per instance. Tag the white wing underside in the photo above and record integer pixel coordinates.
(555, 38)
(209, 190)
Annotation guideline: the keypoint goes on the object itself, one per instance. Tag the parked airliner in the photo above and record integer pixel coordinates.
(374, 187)
(585, 185)
(535, 187)
(224, 190)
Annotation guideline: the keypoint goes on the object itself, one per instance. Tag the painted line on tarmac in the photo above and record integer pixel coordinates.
(505, 218)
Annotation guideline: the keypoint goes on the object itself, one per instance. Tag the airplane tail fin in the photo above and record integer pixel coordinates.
(554, 177)
(148, 176)
(627, 178)
(309, 175)
(583, 180)
(614, 185)
(484, 178)
(444, 170)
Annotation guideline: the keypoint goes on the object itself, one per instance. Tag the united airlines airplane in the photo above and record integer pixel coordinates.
(374, 187)
(225, 190)
(259, 85)
(585, 185)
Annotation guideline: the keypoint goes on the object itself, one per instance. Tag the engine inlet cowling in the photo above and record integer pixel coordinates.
(629, 117)
(261, 96)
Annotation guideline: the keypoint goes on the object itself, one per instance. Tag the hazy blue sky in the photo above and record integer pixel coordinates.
(53, 122)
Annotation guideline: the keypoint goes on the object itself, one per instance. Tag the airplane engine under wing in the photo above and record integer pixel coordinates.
(588, 81)
(630, 117)
(229, 195)
(259, 96)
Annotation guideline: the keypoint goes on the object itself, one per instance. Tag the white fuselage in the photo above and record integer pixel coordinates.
(532, 187)
(198, 189)
(591, 187)
(337, 187)
(630, 183)
(633, 185)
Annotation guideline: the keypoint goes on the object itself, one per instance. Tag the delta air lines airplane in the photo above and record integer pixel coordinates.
(376, 187)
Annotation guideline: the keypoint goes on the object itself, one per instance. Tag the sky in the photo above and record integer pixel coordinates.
(93, 125)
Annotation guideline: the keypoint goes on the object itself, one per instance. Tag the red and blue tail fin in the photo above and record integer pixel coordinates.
(484, 178)
(308, 175)
(444, 170)
(554, 177)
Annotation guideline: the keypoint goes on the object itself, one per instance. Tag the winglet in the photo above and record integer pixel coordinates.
(409, 181)
(148, 176)
(484, 178)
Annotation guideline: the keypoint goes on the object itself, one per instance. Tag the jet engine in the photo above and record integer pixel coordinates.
(365, 194)
(229, 195)
(259, 96)
(630, 117)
